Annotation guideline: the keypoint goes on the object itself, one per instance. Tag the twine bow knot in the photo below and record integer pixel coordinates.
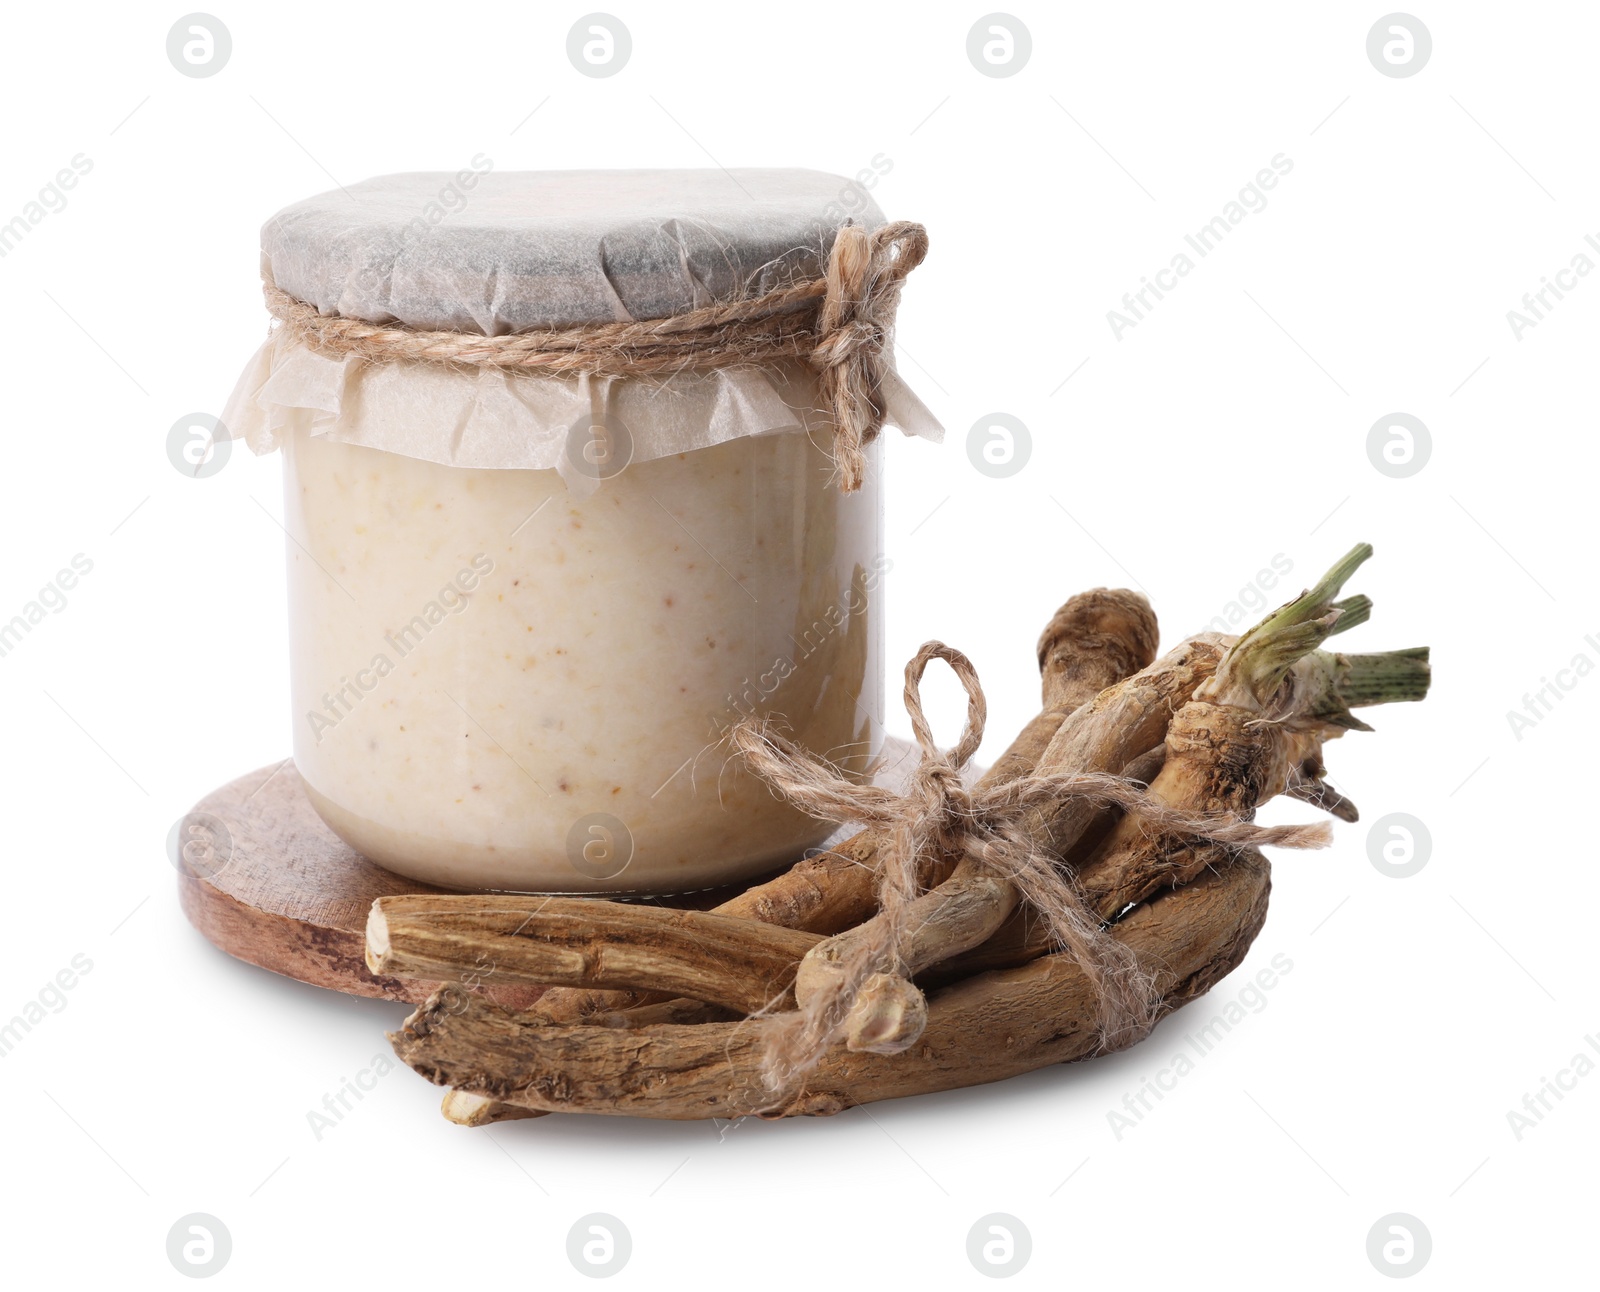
(865, 274)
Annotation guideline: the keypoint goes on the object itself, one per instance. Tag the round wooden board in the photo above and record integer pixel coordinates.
(267, 881)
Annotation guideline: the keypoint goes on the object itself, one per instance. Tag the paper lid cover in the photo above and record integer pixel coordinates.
(493, 252)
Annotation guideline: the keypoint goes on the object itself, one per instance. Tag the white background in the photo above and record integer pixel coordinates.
(1226, 428)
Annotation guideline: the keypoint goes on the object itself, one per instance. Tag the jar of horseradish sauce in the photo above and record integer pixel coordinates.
(580, 469)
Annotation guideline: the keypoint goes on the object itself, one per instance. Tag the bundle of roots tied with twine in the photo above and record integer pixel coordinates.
(1103, 872)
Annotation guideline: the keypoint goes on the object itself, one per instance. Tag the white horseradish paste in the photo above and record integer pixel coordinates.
(499, 685)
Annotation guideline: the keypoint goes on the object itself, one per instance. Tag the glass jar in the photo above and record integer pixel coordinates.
(511, 668)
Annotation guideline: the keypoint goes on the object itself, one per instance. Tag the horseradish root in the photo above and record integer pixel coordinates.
(1099, 876)
(718, 959)
(986, 1028)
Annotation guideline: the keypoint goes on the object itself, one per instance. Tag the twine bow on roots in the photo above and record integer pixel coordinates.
(939, 816)
(840, 324)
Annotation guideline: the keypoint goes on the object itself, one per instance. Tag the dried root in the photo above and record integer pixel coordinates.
(985, 1028)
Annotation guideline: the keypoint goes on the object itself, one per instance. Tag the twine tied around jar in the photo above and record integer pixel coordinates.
(938, 815)
(840, 324)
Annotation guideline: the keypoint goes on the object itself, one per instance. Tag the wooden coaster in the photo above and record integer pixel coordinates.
(268, 882)
(265, 879)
